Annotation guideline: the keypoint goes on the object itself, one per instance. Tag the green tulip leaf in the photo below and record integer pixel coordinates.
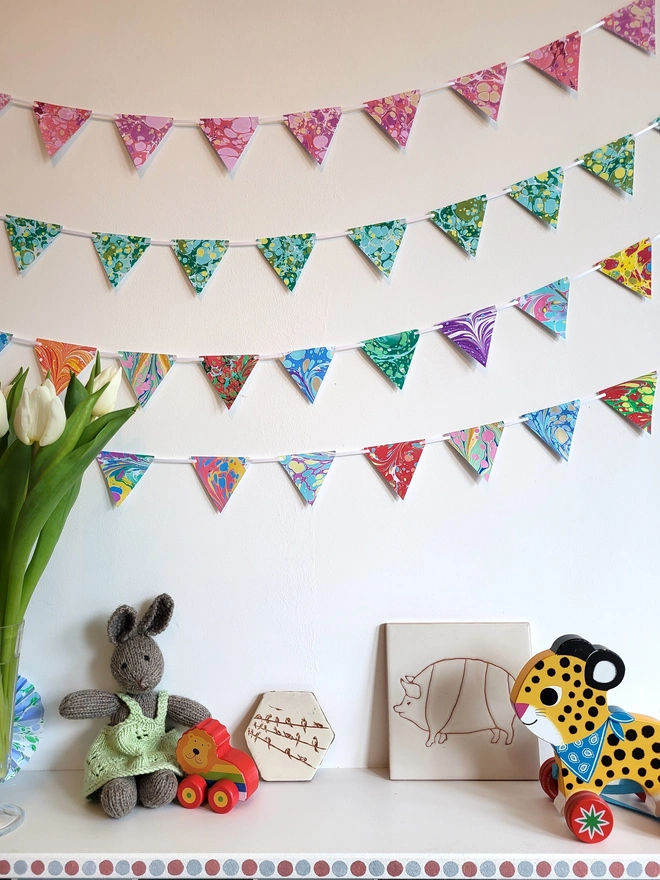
(75, 393)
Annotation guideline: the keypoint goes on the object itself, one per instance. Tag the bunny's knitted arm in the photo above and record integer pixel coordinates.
(89, 704)
(187, 712)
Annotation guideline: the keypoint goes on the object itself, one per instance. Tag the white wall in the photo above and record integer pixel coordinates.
(270, 594)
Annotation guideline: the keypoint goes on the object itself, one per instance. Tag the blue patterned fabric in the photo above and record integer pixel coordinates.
(582, 756)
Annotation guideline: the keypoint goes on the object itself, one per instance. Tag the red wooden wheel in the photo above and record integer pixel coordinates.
(223, 796)
(191, 791)
(548, 782)
(589, 817)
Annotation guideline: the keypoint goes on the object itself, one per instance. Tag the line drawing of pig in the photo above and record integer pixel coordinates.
(459, 695)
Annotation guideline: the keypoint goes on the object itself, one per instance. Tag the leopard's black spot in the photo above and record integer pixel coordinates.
(619, 754)
(566, 677)
(589, 725)
(647, 731)
(539, 665)
(601, 700)
(535, 679)
(638, 754)
(564, 662)
(606, 761)
(588, 693)
(572, 729)
(631, 735)
(641, 771)
(551, 672)
(593, 711)
(564, 771)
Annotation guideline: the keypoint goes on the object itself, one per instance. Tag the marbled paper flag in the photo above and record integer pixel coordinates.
(548, 305)
(29, 238)
(60, 359)
(122, 472)
(4, 100)
(555, 425)
(229, 137)
(631, 267)
(219, 476)
(472, 332)
(478, 446)
(633, 399)
(118, 253)
(463, 222)
(145, 371)
(634, 23)
(142, 135)
(541, 194)
(287, 254)
(308, 470)
(307, 367)
(228, 373)
(314, 129)
(614, 163)
(395, 114)
(393, 354)
(199, 258)
(396, 463)
(5, 339)
(560, 60)
(58, 124)
(483, 89)
(380, 242)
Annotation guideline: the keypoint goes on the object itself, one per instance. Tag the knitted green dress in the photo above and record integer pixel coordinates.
(133, 747)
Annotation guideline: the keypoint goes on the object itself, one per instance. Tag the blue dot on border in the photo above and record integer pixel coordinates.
(599, 869)
(20, 867)
(377, 869)
(339, 869)
(303, 868)
(487, 869)
(562, 869)
(156, 868)
(525, 869)
(266, 868)
(55, 868)
(413, 869)
(230, 867)
(89, 868)
(450, 869)
(634, 869)
(194, 867)
(123, 867)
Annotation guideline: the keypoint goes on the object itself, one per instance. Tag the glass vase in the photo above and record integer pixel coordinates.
(10, 649)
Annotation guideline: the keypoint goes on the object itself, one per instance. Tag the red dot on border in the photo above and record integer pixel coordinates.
(106, 867)
(249, 867)
(469, 869)
(71, 868)
(358, 869)
(543, 869)
(616, 869)
(212, 867)
(652, 869)
(5, 867)
(507, 869)
(139, 868)
(321, 869)
(175, 867)
(38, 867)
(395, 869)
(432, 869)
(580, 869)
(285, 869)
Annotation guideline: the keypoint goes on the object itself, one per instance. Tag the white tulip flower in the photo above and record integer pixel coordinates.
(40, 416)
(4, 422)
(111, 377)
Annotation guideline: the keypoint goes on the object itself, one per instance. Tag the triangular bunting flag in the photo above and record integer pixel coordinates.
(483, 89)
(229, 137)
(58, 124)
(29, 238)
(548, 305)
(380, 242)
(396, 463)
(555, 425)
(633, 399)
(118, 253)
(541, 194)
(122, 472)
(199, 258)
(4, 100)
(145, 371)
(614, 163)
(308, 471)
(463, 222)
(560, 60)
(220, 476)
(634, 23)
(228, 373)
(395, 114)
(472, 332)
(287, 254)
(314, 129)
(393, 354)
(631, 267)
(5, 339)
(60, 359)
(478, 446)
(142, 135)
(307, 367)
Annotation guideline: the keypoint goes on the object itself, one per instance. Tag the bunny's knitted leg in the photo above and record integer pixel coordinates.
(119, 796)
(157, 789)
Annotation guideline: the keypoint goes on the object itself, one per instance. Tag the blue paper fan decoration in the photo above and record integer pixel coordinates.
(28, 725)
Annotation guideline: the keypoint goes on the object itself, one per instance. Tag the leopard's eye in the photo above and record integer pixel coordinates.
(550, 696)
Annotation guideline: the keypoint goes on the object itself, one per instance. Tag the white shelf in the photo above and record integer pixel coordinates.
(343, 817)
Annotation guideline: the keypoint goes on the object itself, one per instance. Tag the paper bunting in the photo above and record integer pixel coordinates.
(633, 399)
(396, 463)
(634, 23)
(478, 446)
(60, 359)
(5, 339)
(463, 222)
(631, 267)
(380, 242)
(555, 425)
(472, 332)
(395, 114)
(220, 476)
(145, 371)
(393, 354)
(287, 254)
(307, 367)
(560, 60)
(118, 253)
(228, 373)
(483, 89)
(308, 471)
(614, 163)
(142, 135)
(229, 137)
(548, 305)
(541, 194)
(58, 124)
(314, 129)
(122, 472)
(4, 100)
(199, 258)
(29, 238)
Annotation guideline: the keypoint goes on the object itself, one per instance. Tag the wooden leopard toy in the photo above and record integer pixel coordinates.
(561, 696)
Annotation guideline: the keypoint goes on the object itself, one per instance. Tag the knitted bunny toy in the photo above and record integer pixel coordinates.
(133, 758)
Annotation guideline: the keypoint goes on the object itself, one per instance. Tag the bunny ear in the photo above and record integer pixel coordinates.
(121, 625)
(157, 616)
